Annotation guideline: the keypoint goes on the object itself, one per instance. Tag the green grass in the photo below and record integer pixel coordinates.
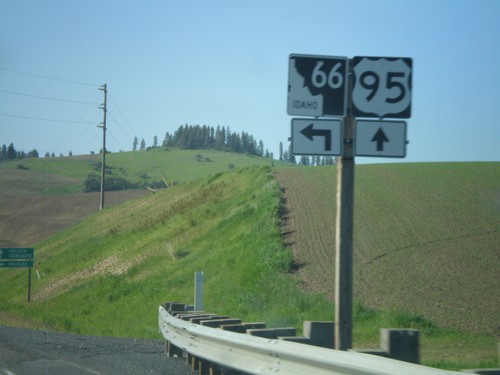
(145, 167)
(108, 274)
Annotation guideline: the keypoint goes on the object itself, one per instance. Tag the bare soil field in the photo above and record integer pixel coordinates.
(426, 243)
(28, 215)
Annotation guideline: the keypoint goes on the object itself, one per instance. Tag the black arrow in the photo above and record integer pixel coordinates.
(310, 132)
(380, 138)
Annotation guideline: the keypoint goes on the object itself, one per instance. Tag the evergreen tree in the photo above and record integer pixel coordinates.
(291, 156)
(11, 152)
(220, 138)
(260, 149)
(168, 140)
(33, 154)
(134, 145)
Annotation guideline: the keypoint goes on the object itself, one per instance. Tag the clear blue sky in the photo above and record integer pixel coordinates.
(168, 63)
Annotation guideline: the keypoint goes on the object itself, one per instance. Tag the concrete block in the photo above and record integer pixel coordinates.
(320, 333)
(401, 344)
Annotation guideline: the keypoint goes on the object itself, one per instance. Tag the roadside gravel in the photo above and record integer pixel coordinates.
(29, 352)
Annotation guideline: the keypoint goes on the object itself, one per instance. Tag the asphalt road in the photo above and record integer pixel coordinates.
(32, 352)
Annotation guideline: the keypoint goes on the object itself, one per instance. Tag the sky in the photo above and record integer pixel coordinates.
(169, 63)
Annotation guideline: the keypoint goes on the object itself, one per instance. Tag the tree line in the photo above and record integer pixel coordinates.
(8, 153)
(199, 137)
(220, 138)
(223, 139)
(287, 155)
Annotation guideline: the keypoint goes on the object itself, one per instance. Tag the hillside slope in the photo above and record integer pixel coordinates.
(46, 194)
(107, 275)
(426, 238)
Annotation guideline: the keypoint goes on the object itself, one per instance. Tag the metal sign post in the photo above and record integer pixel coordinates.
(18, 258)
(343, 241)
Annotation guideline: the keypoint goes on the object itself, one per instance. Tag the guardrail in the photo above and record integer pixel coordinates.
(219, 351)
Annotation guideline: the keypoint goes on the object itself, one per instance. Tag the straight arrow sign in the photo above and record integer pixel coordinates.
(317, 137)
(380, 138)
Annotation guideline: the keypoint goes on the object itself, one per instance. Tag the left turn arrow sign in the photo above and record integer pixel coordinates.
(317, 137)
(310, 133)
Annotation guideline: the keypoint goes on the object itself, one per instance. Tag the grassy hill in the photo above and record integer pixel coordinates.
(426, 255)
(45, 195)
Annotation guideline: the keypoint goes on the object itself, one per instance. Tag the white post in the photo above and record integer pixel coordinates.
(198, 291)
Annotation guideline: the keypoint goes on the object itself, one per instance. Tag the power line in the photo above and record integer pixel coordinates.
(49, 78)
(45, 97)
(45, 119)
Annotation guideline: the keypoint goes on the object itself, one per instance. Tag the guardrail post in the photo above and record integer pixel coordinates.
(172, 350)
(203, 367)
(198, 291)
(400, 344)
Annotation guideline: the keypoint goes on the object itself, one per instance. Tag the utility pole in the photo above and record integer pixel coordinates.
(344, 234)
(103, 126)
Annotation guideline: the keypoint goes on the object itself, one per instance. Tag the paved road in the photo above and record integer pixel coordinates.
(32, 352)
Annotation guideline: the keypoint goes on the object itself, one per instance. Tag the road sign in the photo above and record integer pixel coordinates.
(317, 137)
(381, 87)
(317, 85)
(380, 138)
(16, 263)
(16, 253)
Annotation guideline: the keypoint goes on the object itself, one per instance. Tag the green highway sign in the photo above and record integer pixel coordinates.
(17, 253)
(16, 263)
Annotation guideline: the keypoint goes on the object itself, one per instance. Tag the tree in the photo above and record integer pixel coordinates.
(291, 156)
(220, 138)
(143, 144)
(260, 149)
(33, 154)
(11, 152)
(155, 141)
(134, 145)
(281, 151)
(168, 141)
